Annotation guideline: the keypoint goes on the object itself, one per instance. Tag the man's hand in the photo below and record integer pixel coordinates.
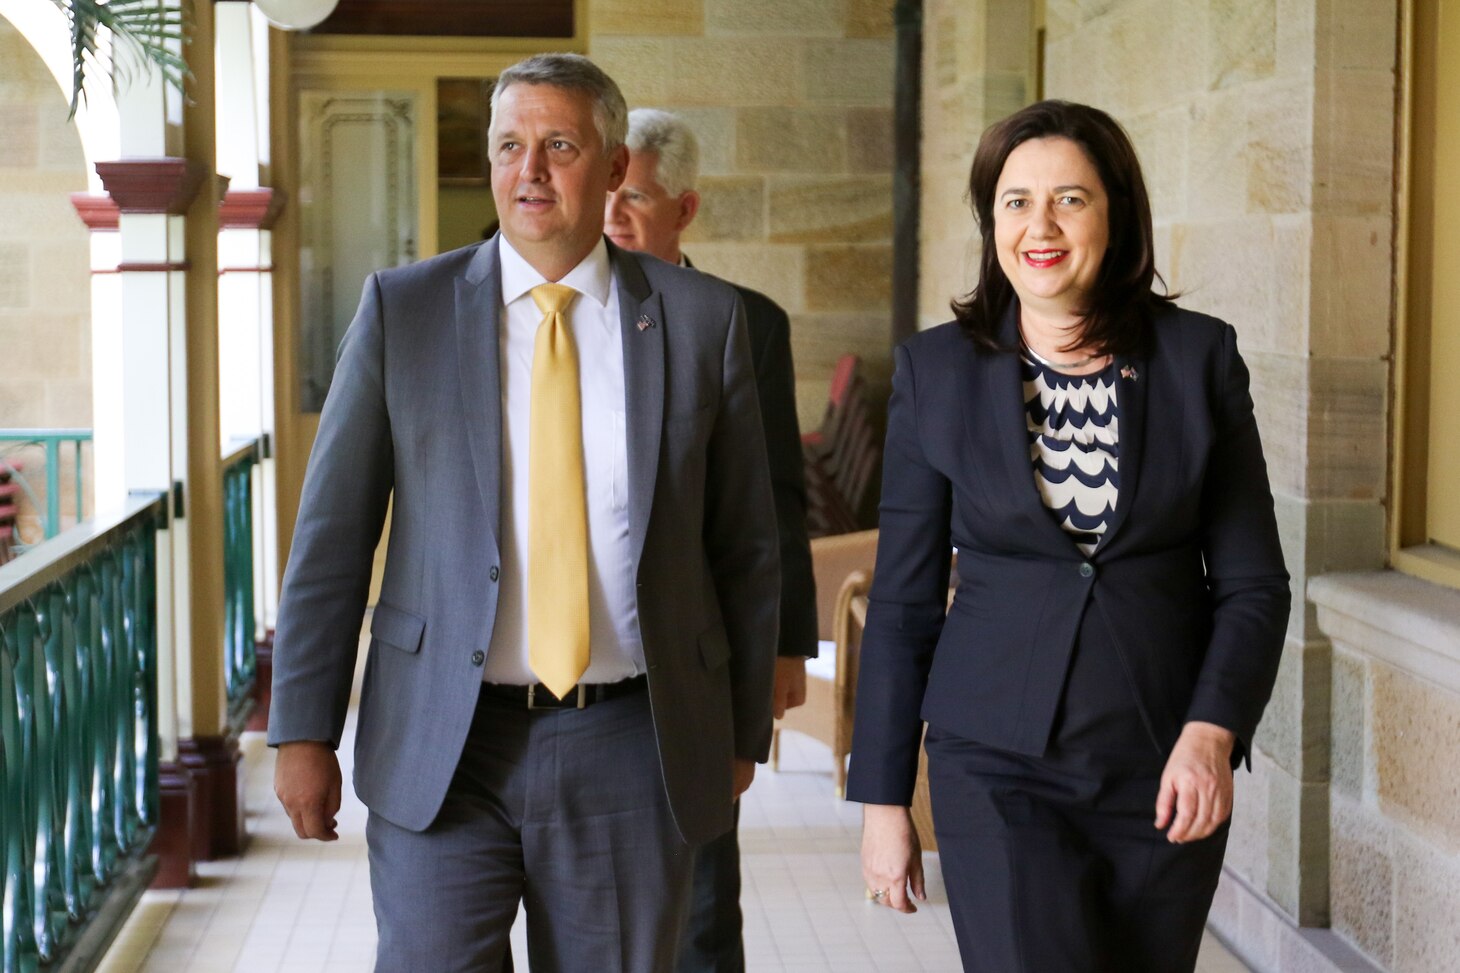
(307, 782)
(744, 774)
(1196, 787)
(790, 689)
(892, 857)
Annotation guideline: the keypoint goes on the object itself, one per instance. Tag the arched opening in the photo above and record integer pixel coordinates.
(46, 350)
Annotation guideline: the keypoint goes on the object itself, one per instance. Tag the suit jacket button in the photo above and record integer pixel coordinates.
(493, 574)
(477, 657)
(1087, 570)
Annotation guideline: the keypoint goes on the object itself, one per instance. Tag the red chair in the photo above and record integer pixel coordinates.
(841, 456)
(8, 494)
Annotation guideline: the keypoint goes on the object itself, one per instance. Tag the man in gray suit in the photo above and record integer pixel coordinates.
(649, 212)
(570, 670)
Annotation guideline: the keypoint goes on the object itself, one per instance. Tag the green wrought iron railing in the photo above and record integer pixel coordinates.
(241, 638)
(78, 761)
(51, 440)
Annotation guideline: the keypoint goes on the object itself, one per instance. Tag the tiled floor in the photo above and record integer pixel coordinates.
(288, 906)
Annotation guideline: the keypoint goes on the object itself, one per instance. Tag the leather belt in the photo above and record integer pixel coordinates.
(538, 696)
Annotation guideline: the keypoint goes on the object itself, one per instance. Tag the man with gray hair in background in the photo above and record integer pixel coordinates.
(648, 212)
(571, 660)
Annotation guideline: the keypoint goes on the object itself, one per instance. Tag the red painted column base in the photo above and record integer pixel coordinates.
(217, 768)
(173, 842)
(263, 683)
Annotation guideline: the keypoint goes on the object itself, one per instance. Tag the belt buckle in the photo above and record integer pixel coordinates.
(556, 703)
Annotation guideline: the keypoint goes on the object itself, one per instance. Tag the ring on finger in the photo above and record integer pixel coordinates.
(876, 895)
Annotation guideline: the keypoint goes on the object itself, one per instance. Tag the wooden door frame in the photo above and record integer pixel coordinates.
(400, 63)
(1409, 549)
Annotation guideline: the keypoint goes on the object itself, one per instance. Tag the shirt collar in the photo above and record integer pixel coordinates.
(593, 276)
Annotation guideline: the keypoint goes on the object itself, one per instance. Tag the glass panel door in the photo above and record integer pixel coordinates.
(358, 212)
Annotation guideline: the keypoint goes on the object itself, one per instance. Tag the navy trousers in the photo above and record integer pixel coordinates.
(1048, 868)
(1054, 862)
(712, 939)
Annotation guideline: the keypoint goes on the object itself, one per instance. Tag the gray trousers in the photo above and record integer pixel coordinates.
(561, 810)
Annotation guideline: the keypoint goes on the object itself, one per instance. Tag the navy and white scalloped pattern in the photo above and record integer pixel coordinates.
(1074, 444)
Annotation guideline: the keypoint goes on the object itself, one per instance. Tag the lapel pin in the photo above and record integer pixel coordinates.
(1129, 372)
(645, 322)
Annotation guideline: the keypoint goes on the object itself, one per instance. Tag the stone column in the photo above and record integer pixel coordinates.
(166, 191)
(246, 319)
(211, 750)
(246, 298)
(150, 198)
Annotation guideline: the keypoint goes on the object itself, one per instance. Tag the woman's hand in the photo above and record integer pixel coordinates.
(892, 857)
(1196, 786)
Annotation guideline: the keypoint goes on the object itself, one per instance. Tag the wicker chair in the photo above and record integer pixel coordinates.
(826, 716)
(843, 564)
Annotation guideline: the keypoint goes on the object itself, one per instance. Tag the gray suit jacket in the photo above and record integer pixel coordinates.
(414, 413)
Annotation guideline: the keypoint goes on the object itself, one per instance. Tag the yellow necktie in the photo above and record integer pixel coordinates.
(557, 577)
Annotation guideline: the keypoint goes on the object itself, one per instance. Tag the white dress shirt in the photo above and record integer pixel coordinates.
(615, 649)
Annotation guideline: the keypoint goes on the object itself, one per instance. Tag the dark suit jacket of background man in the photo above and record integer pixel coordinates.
(712, 938)
(414, 416)
(775, 382)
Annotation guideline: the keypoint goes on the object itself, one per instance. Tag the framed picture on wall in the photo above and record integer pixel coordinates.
(463, 108)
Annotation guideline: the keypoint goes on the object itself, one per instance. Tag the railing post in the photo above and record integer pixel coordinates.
(53, 487)
(80, 491)
(241, 634)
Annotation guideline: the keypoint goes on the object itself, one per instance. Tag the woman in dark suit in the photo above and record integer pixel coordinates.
(1090, 450)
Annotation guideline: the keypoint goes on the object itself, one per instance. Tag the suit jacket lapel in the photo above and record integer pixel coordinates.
(1132, 382)
(994, 408)
(478, 326)
(644, 388)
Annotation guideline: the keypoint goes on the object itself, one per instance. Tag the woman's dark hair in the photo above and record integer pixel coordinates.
(1121, 301)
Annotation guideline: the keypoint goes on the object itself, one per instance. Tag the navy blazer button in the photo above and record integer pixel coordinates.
(477, 657)
(1087, 570)
(493, 573)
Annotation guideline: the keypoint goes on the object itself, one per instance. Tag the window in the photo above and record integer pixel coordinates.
(1425, 526)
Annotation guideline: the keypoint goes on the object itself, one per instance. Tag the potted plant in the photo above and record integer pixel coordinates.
(151, 31)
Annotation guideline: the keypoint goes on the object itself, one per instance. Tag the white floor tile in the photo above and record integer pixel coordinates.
(289, 906)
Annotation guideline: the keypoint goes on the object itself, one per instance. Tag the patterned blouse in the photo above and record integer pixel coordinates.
(1074, 444)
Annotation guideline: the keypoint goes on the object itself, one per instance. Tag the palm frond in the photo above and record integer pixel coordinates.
(141, 29)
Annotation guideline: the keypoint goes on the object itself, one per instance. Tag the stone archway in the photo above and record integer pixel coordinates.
(43, 26)
(45, 266)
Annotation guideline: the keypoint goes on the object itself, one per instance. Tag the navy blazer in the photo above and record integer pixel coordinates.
(1189, 576)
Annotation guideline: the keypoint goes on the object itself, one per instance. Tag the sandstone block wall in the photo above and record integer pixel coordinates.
(792, 104)
(975, 71)
(45, 278)
(1395, 852)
